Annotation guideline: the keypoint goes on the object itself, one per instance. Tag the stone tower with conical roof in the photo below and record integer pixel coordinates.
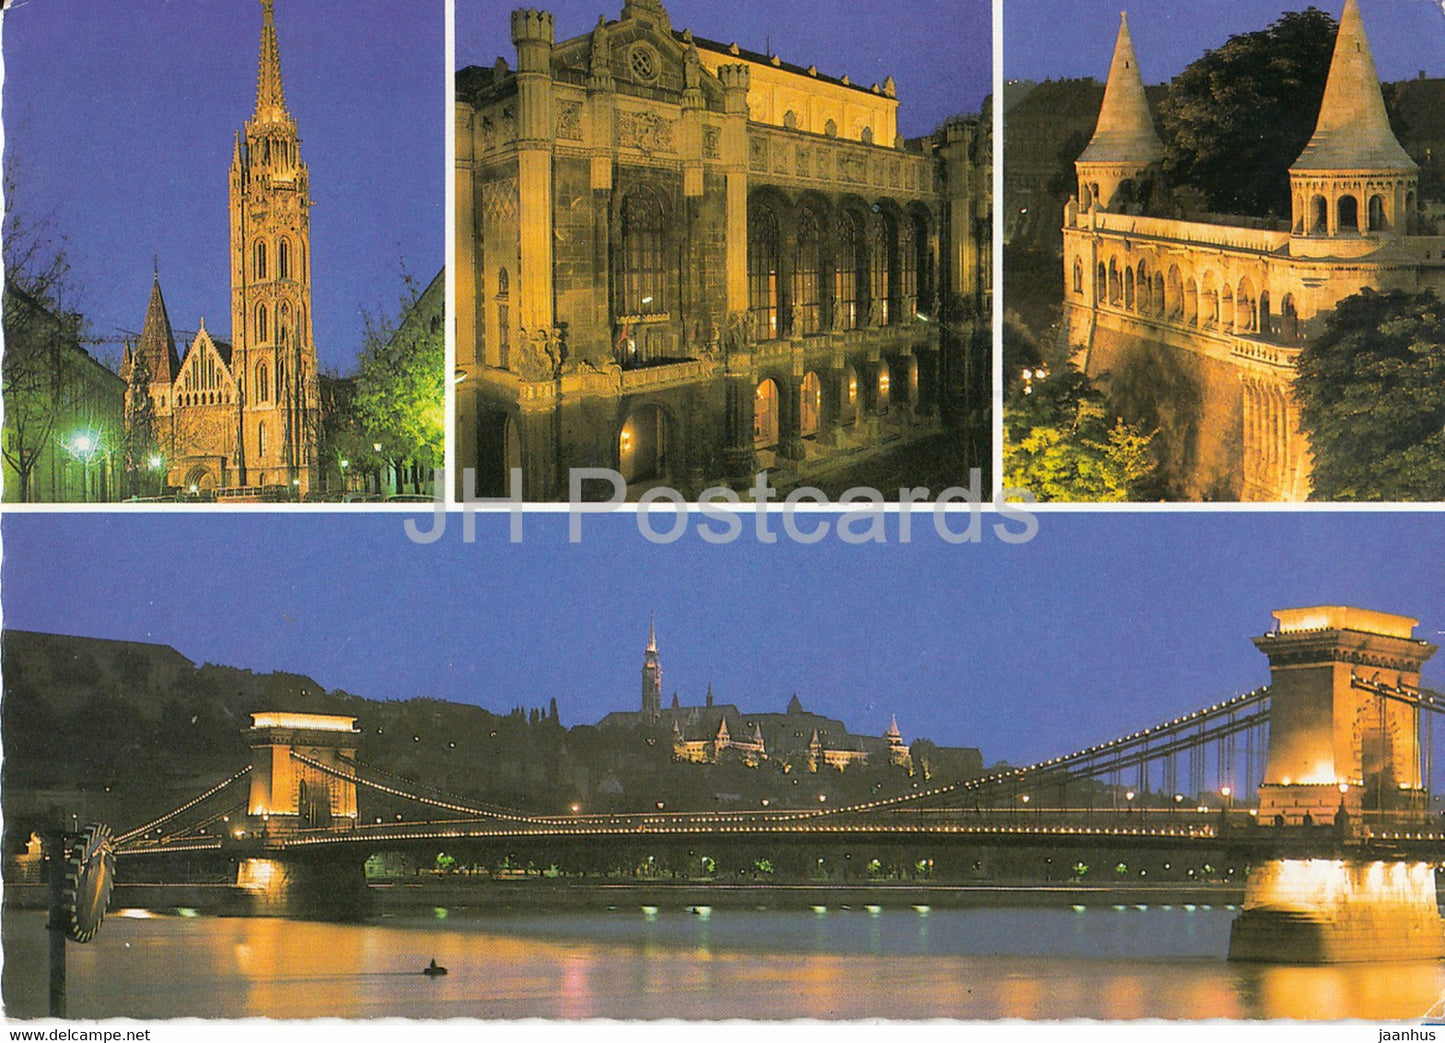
(651, 678)
(274, 355)
(1353, 179)
(1125, 141)
(157, 344)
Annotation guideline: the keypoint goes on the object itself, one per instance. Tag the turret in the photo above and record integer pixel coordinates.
(651, 679)
(1353, 178)
(1125, 143)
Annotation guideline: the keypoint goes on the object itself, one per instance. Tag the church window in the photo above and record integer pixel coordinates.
(1349, 208)
(262, 328)
(763, 272)
(283, 259)
(263, 389)
(880, 264)
(643, 274)
(850, 256)
(1078, 276)
(261, 260)
(261, 438)
(1102, 283)
(806, 275)
(504, 317)
(283, 324)
(1321, 222)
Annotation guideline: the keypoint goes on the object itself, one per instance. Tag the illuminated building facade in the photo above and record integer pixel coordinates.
(686, 261)
(243, 417)
(1219, 313)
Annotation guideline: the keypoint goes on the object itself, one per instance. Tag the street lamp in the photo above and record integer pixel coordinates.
(82, 446)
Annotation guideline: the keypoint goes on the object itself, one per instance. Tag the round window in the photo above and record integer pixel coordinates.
(643, 62)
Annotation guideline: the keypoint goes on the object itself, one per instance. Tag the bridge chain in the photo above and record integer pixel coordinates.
(142, 830)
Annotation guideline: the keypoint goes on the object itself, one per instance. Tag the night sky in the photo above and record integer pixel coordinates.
(1069, 38)
(119, 123)
(939, 51)
(1102, 624)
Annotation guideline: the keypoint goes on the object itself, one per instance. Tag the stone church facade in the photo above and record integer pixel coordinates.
(1217, 313)
(686, 261)
(241, 419)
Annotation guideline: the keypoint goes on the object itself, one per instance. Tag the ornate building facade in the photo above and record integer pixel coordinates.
(686, 261)
(1218, 313)
(242, 418)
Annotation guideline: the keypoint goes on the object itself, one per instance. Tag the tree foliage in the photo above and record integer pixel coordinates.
(140, 439)
(1237, 118)
(1060, 447)
(401, 386)
(43, 362)
(1371, 390)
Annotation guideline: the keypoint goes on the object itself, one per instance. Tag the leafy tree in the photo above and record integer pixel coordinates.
(1237, 118)
(42, 363)
(1371, 390)
(401, 386)
(1059, 445)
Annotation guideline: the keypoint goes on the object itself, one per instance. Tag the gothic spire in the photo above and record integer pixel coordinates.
(652, 634)
(1125, 132)
(1353, 132)
(157, 341)
(270, 96)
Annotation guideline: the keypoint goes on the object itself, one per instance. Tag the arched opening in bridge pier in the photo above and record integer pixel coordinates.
(1191, 303)
(642, 445)
(765, 415)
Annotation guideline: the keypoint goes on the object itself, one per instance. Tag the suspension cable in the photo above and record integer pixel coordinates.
(183, 808)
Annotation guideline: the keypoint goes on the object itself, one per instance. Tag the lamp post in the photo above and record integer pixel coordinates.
(82, 446)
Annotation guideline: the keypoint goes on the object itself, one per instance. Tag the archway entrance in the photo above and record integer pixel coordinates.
(811, 407)
(642, 445)
(765, 415)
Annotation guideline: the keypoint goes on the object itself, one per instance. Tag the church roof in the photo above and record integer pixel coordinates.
(1353, 132)
(1125, 132)
(157, 342)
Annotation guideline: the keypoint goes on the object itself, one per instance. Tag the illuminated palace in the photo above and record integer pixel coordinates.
(1221, 312)
(686, 261)
(244, 416)
(719, 732)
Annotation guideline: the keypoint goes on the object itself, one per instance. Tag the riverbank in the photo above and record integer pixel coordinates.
(561, 895)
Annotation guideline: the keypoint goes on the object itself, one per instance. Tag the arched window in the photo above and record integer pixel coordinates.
(805, 276)
(1101, 283)
(642, 277)
(283, 324)
(504, 317)
(1078, 276)
(850, 256)
(880, 256)
(907, 270)
(1378, 221)
(283, 259)
(763, 272)
(1320, 222)
(1349, 214)
(263, 330)
(261, 259)
(261, 438)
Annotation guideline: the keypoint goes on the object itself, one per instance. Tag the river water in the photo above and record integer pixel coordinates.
(631, 963)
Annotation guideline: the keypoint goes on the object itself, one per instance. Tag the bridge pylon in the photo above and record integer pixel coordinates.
(287, 794)
(1333, 746)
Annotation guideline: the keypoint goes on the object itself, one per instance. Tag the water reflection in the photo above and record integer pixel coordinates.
(976, 964)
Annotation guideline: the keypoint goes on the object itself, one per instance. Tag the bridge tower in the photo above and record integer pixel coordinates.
(1332, 745)
(1341, 760)
(288, 794)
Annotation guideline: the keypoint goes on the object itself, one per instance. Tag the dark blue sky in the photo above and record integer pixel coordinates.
(1068, 38)
(119, 123)
(1103, 623)
(939, 51)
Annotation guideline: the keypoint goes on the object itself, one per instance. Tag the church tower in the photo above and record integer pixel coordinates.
(1353, 180)
(651, 679)
(274, 356)
(157, 347)
(1125, 141)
